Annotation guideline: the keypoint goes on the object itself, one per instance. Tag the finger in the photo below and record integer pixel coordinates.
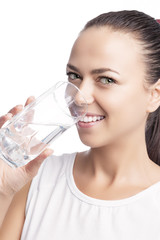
(16, 109)
(30, 114)
(5, 118)
(32, 167)
(29, 100)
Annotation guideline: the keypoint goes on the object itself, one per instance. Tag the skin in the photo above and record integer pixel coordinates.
(14, 187)
(117, 165)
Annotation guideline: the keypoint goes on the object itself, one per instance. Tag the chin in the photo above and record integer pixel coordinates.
(90, 142)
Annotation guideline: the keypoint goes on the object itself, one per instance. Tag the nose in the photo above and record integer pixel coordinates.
(85, 95)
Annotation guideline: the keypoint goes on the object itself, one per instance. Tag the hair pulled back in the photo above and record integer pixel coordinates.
(147, 31)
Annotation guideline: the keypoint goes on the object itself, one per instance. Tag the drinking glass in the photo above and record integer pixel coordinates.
(29, 132)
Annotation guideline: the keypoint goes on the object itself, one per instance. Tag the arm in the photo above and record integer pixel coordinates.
(14, 179)
(12, 226)
(5, 202)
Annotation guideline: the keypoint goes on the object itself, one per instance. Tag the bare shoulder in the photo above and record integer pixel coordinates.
(14, 220)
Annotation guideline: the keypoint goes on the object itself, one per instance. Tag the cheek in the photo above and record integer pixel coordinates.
(125, 114)
(124, 107)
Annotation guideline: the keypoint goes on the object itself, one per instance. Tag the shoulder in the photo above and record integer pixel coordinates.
(50, 174)
(53, 168)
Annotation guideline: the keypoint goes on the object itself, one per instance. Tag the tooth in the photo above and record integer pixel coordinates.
(85, 119)
(90, 119)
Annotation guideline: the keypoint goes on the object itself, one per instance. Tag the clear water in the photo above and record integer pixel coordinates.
(21, 142)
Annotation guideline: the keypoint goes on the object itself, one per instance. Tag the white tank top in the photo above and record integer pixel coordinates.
(57, 210)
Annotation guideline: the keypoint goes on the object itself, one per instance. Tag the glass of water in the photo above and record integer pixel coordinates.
(29, 132)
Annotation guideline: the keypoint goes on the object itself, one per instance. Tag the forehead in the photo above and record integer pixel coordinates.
(101, 46)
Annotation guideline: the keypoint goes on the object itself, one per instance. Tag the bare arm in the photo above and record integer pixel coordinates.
(13, 180)
(12, 226)
(5, 202)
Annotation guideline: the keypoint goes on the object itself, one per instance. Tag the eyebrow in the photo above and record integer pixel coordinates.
(94, 71)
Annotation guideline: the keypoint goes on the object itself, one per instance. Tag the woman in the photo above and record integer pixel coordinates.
(111, 191)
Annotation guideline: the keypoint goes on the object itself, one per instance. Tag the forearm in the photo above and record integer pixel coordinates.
(12, 225)
(5, 202)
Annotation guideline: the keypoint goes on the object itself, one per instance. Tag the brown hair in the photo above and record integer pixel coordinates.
(147, 31)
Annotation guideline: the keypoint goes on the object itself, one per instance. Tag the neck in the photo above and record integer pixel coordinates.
(125, 160)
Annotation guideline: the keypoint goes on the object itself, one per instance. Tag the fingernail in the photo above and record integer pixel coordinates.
(19, 106)
(32, 97)
(10, 115)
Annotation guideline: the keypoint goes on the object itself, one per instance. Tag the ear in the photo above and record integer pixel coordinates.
(154, 101)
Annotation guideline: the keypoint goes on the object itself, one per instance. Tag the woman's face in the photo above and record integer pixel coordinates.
(108, 67)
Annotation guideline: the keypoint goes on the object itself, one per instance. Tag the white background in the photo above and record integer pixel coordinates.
(35, 42)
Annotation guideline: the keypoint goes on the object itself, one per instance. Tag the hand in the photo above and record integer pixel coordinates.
(13, 179)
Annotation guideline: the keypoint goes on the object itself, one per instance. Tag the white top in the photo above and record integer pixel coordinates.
(57, 210)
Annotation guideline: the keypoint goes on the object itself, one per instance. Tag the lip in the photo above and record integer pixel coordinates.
(90, 124)
(94, 114)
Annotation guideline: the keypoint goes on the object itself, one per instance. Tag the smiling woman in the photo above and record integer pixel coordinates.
(111, 191)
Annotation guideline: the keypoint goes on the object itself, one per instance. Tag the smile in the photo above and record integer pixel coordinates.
(88, 119)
